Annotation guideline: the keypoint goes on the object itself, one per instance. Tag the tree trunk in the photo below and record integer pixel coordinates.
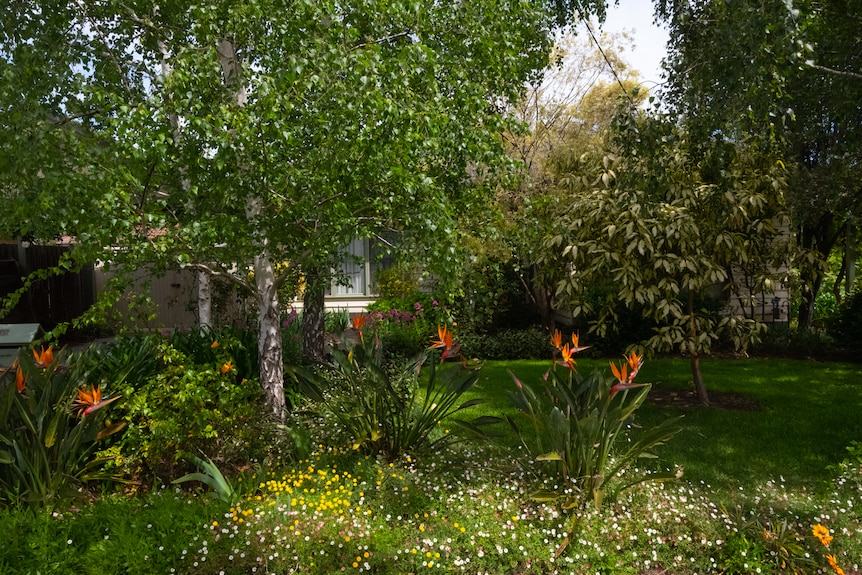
(269, 336)
(850, 258)
(313, 317)
(696, 375)
(820, 239)
(269, 346)
(205, 300)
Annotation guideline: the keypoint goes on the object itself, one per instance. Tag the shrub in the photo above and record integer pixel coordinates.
(203, 409)
(847, 326)
(401, 281)
(405, 325)
(291, 338)
(336, 321)
(391, 414)
(800, 343)
(206, 345)
(508, 344)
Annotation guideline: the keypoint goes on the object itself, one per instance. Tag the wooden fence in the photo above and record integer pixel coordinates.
(50, 301)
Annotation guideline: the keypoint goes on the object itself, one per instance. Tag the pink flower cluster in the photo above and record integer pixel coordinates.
(394, 316)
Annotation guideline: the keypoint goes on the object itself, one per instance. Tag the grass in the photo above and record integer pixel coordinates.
(755, 483)
(808, 413)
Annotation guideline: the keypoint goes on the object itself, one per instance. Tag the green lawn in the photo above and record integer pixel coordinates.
(808, 413)
(755, 484)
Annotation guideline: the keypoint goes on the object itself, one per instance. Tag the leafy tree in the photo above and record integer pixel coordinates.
(789, 73)
(563, 114)
(666, 227)
(235, 138)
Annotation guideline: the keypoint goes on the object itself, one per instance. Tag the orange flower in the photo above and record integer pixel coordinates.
(834, 564)
(358, 321)
(45, 357)
(226, 367)
(20, 380)
(567, 352)
(445, 342)
(621, 372)
(215, 344)
(822, 534)
(635, 362)
(87, 402)
(624, 378)
(575, 346)
(557, 339)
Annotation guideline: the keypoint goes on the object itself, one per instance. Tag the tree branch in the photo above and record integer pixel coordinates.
(836, 72)
(380, 40)
(104, 40)
(219, 274)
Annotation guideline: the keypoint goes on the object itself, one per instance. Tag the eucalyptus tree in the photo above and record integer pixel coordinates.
(252, 140)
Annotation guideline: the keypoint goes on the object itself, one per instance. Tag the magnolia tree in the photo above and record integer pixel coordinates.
(665, 225)
(251, 141)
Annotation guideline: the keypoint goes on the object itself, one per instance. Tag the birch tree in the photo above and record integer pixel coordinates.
(245, 139)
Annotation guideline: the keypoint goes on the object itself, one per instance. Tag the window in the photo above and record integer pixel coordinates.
(358, 270)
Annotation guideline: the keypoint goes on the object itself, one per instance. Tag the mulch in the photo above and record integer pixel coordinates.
(687, 399)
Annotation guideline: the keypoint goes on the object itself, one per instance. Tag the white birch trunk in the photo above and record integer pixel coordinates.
(205, 299)
(269, 346)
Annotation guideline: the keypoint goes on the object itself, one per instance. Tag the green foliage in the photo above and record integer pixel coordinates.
(291, 337)
(206, 345)
(401, 281)
(129, 362)
(386, 413)
(46, 451)
(112, 535)
(211, 476)
(764, 544)
(799, 343)
(491, 295)
(191, 407)
(847, 327)
(579, 427)
(336, 321)
(507, 344)
(404, 325)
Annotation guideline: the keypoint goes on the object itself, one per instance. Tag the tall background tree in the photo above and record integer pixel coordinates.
(563, 113)
(789, 74)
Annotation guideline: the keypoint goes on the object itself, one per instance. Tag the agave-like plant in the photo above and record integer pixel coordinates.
(211, 476)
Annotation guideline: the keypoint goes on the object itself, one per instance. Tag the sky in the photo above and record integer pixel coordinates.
(636, 17)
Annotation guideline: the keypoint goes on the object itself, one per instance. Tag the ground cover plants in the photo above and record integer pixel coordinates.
(471, 506)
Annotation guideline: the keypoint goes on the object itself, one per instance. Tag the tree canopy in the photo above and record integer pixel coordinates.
(238, 137)
(790, 75)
